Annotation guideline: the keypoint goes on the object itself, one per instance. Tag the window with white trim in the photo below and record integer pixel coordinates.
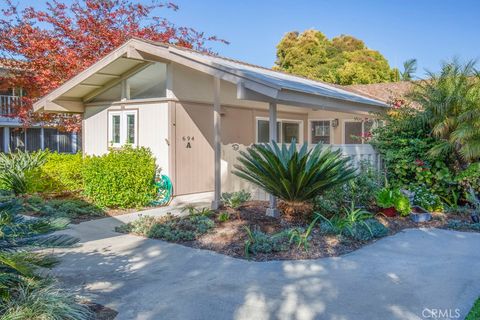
(286, 130)
(358, 132)
(320, 131)
(122, 128)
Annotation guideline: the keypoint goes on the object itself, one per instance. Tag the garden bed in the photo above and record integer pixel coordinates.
(230, 237)
(67, 205)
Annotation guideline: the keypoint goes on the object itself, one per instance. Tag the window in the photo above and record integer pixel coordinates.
(122, 128)
(34, 136)
(150, 82)
(320, 131)
(17, 139)
(357, 132)
(50, 139)
(286, 131)
(263, 131)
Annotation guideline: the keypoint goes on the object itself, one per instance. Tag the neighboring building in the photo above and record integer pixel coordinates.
(192, 109)
(12, 134)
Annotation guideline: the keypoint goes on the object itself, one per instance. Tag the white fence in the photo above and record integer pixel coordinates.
(230, 153)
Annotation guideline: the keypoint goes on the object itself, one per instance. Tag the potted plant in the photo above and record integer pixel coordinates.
(475, 203)
(385, 198)
(393, 202)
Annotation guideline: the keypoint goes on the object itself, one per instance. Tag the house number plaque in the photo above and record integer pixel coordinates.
(188, 141)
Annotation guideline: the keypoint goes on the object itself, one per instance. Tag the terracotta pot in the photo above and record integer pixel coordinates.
(389, 212)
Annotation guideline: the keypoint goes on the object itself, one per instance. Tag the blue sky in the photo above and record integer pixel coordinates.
(429, 30)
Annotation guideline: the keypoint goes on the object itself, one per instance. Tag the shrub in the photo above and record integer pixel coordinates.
(260, 242)
(427, 200)
(122, 178)
(235, 199)
(61, 173)
(361, 190)
(15, 166)
(170, 228)
(355, 223)
(404, 143)
(295, 176)
(223, 217)
(462, 225)
(470, 177)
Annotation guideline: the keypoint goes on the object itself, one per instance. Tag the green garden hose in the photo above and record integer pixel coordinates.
(164, 191)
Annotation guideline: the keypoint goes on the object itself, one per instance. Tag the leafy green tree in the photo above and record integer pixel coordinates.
(342, 60)
(409, 69)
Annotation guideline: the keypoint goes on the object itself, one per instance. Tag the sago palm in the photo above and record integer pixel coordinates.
(293, 175)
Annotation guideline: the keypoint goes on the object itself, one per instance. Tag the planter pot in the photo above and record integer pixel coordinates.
(389, 212)
(419, 214)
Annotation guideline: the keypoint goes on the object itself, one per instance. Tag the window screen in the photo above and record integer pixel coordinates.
(263, 131)
(290, 131)
(64, 142)
(17, 139)
(50, 139)
(320, 132)
(34, 139)
(353, 132)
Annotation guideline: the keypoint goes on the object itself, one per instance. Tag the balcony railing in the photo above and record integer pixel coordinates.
(7, 103)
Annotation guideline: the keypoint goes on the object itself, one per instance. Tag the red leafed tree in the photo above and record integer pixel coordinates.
(43, 48)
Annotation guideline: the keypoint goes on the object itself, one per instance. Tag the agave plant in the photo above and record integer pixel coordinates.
(295, 176)
(14, 166)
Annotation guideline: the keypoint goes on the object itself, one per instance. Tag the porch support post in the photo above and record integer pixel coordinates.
(6, 139)
(217, 144)
(272, 210)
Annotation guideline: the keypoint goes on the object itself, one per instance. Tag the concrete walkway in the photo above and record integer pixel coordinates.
(406, 276)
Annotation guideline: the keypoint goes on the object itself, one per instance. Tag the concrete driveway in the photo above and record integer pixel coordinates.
(415, 274)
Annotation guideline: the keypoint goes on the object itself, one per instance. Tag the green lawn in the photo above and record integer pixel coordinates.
(474, 314)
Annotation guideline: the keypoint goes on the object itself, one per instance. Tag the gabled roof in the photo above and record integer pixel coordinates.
(280, 79)
(253, 82)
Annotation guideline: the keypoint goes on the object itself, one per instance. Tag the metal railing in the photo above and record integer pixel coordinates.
(7, 104)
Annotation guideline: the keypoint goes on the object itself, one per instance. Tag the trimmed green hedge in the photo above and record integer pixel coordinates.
(123, 178)
(61, 173)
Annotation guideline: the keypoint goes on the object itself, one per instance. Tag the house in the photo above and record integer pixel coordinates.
(14, 136)
(195, 110)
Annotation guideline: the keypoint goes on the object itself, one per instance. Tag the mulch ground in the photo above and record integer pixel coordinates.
(229, 237)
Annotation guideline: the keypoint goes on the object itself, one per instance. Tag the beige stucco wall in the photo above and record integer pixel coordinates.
(152, 129)
(330, 115)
